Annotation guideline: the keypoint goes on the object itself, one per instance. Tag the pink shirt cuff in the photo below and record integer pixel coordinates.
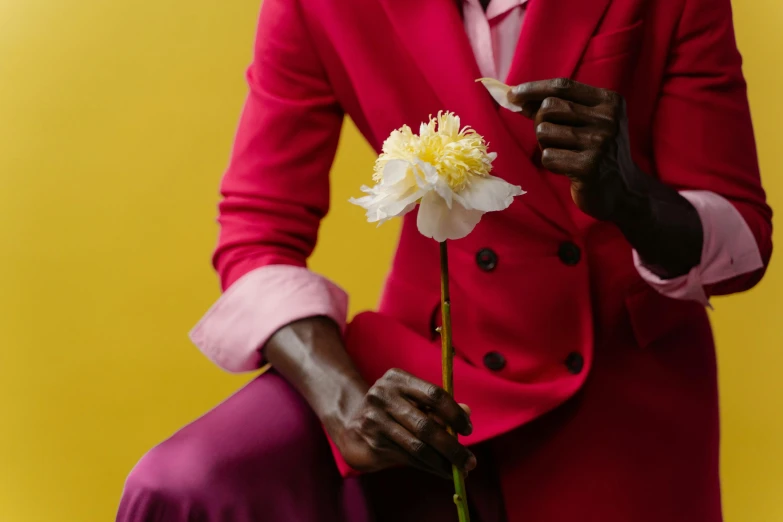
(258, 304)
(729, 250)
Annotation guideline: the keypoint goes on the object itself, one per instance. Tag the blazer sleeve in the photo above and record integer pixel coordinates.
(276, 189)
(703, 136)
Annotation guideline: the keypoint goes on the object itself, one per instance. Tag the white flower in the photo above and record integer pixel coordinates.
(446, 170)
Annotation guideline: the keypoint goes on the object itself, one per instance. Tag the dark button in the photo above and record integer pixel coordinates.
(575, 363)
(569, 253)
(494, 361)
(486, 259)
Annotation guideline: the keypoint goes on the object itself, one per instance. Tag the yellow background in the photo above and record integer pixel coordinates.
(115, 124)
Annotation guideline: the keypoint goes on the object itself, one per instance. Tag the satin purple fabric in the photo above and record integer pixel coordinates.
(261, 456)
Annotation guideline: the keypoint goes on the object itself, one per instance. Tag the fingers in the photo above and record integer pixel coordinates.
(563, 112)
(415, 452)
(526, 95)
(575, 164)
(436, 400)
(440, 421)
(427, 430)
(400, 423)
(550, 135)
(384, 444)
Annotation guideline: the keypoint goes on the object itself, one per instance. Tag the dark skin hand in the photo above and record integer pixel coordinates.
(398, 421)
(583, 134)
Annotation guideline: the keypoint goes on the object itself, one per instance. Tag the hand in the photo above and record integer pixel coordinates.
(402, 421)
(582, 132)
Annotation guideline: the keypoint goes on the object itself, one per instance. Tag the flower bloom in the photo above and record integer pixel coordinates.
(446, 170)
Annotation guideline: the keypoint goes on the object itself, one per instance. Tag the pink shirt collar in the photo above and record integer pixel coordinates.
(494, 34)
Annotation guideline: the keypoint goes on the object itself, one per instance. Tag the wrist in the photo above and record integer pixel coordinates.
(339, 405)
(632, 206)
(661, 225)
(311, 355)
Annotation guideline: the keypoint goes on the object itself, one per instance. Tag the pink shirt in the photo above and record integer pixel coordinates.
(270, 297)
(493, 34)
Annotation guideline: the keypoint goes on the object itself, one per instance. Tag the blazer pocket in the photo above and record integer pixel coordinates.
(613, 43)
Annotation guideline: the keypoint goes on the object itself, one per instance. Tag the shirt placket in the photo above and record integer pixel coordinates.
(480, 36)
(491, 31)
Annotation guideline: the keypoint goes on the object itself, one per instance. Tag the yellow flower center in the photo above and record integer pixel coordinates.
(458, 154)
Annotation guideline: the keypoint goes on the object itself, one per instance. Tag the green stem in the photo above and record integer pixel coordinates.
(460, 495)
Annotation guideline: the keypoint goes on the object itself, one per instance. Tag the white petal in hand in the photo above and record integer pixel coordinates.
(499, 91)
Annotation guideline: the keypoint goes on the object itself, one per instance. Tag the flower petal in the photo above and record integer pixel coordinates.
(488, 194)
(429, 174)
(395, 195)
(437, 221)
(435, 181)
(394, 172)
(383, 206)
(499, 91)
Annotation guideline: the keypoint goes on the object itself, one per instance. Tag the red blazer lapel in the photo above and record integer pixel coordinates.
(432, 32)
(554, 36)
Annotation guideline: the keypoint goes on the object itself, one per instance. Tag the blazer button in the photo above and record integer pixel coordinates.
(575, 363)
(486, 259)
(494, 361)
(569, 253)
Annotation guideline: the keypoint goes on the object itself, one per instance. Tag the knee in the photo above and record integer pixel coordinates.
(261, 444)
(163, 480)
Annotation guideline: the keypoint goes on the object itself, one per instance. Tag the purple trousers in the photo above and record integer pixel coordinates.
(261, 456)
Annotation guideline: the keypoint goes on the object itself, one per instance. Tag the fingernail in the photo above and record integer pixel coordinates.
(471, 463)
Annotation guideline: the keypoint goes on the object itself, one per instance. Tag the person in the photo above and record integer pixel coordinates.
(585, 368)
